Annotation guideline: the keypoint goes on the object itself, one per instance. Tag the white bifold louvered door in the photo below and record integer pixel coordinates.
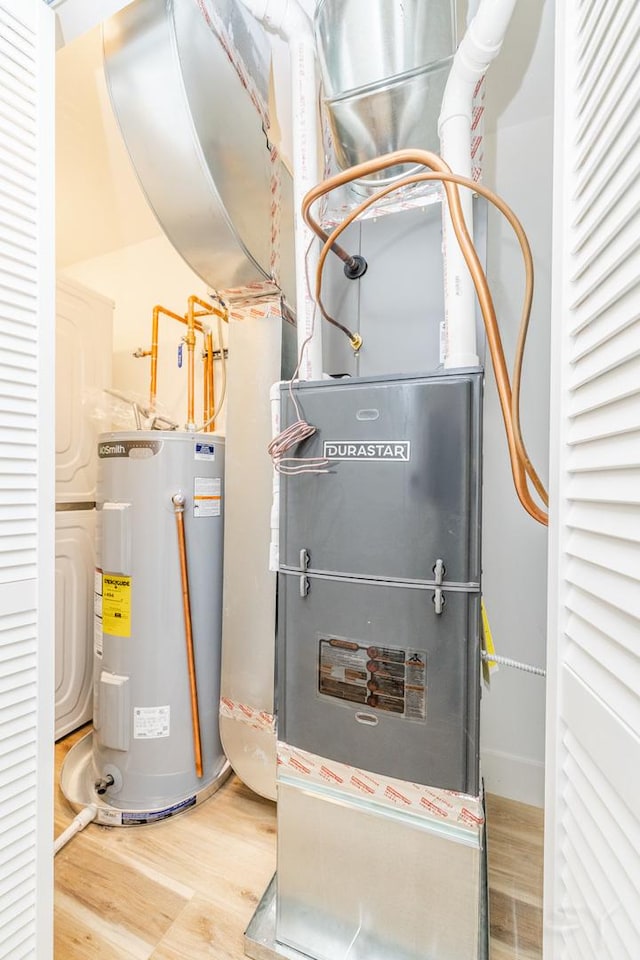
(592, 855)
(26, 478)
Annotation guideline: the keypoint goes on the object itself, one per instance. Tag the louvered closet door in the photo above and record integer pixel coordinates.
(26, 478)
(592, 864)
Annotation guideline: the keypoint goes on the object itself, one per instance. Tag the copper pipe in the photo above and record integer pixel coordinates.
(205, 385)
(527, 301)
(520, 464)
(210, 309)
(178, 501)
(193, 323)
(157, 310)
(210, 387)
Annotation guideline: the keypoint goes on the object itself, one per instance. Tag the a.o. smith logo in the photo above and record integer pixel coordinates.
(112, 450)
(129, 448)
(380, 450)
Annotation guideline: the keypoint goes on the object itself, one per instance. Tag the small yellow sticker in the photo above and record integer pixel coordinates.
(116, 604)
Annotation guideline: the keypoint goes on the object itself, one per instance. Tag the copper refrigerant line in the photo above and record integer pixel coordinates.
(509, 394)
(196, 310)
(178, 501)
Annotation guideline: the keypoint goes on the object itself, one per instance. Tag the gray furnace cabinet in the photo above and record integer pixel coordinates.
(379, 587)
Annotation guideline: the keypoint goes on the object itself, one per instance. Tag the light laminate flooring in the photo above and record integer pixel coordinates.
(185, 889)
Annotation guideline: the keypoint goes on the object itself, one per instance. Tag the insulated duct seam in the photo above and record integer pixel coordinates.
(218, 28)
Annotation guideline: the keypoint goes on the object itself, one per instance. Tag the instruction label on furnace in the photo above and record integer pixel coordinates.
(116, 604)
(207, 496)
(393, 679)
(151, 723)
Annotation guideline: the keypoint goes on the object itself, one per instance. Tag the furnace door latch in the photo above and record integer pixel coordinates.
(438, 597)
(304, 565)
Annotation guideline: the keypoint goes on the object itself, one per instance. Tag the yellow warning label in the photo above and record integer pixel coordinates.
(116, 604)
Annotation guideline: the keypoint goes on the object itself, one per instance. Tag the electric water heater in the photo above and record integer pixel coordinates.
(158, 612)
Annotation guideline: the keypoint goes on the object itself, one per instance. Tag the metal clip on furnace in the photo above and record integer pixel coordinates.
(304, 565)
(438, 597)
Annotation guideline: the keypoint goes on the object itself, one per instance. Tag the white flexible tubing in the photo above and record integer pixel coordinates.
(480, 45)
(288, 19)
(84, 818)
(223, 392)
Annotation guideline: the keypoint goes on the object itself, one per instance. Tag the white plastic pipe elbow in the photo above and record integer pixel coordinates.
(480, 46)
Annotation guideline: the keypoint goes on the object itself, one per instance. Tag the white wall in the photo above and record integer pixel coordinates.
(107, 236)
(518, 164)
(99, 204)
(136, 278)
(74, 17)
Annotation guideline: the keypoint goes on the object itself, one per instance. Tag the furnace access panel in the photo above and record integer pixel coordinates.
(379, 586)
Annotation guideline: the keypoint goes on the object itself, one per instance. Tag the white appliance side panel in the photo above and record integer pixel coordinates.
(84, 330)
(75, 538)
(248, 627)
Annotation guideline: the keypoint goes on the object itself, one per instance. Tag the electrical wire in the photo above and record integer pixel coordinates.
(521, 465)
(296, 432)
(352, 337)
(516, 664)
(300, 430)
(285, 441)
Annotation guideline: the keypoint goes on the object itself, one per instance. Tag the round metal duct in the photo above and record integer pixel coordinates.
(194, 137)
(384, 82)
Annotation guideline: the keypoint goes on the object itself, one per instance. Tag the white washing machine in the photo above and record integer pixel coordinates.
(84, 322)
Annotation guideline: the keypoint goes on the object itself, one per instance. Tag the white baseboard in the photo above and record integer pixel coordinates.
(517, 778)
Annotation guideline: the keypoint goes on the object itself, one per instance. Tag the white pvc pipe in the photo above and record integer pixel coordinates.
(288, 19)
(479, 47)
(84, 818)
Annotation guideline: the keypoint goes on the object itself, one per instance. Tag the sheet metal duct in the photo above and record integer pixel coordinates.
(196, 139)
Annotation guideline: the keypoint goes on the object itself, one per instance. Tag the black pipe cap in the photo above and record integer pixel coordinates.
(355, 268)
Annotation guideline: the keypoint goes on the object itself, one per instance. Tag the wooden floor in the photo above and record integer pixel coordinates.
(186, 889)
